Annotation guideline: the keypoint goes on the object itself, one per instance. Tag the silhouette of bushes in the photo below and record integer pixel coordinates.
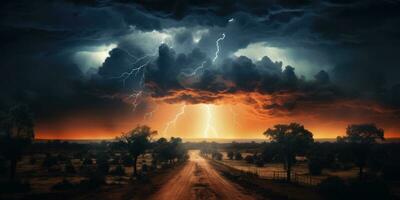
(49, 161)
(63, 185)
(118, 171)
(230, 155)
(238, 156)
(315, 166)
(249, 159)
(94, 181)
(217, 155)
(333, 188)
(69, 168)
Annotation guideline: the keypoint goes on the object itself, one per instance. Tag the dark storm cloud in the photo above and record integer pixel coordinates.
(358, 39)
(167, 80)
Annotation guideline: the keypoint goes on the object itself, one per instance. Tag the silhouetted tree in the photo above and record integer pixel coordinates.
(230, 155)
(16, 133)
(136, 142)
(292, 140)
(238, 156)
(361, 137)
(249, 159)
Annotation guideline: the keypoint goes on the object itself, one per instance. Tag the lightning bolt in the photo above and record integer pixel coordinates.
(149, 115)
(173, 121)
(204, 62)
(135, 70)
(138, 68)
(209, 125)
(217, 44)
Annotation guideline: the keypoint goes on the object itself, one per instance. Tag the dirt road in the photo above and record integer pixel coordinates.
(198, 180)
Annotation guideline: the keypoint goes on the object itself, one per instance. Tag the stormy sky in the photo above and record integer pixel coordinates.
(108, 64)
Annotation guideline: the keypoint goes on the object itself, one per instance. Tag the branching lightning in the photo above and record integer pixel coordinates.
(217, 44)
(145, 61)
(209, 125)
(204, 62)
(149, 115)
(173, 121)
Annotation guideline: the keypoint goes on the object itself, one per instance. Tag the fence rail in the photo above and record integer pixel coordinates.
(302, 179)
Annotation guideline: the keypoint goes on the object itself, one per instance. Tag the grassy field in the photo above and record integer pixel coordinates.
(267, 171)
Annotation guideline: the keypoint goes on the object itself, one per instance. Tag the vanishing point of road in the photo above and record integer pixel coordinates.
(199, 180)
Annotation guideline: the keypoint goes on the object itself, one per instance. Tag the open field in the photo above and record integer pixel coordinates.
(300, 168)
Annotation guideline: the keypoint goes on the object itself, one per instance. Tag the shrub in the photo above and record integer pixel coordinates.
(94, 181)
(69, 168)
(87, 161)
(217, 156)
(50, 161)
(230, 155)
(118, 171)
(238, 156)
(333, 188)
(103, 166)
(127, 160)
(145, 168)
(315, 167)
(63, 185)
(249, 159)
(259, 162)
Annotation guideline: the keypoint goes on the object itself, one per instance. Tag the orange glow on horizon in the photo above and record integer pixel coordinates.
(230, 121)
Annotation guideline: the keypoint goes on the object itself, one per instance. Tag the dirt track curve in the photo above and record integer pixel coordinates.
(199, 180)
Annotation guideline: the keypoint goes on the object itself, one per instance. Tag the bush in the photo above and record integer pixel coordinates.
(238, 156)
(217, 156)
(69, 168)
(103, 166)
(315, 167)
(333, 188)
(118, 171)
(259, 162)
(50, 161)
(87, 161)
(95, 181)
(145, 168)
(63, 185)
(230, 155)
(249, 159)
(127, 160)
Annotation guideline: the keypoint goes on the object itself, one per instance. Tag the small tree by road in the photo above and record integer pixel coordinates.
(136, 142)
(292, 139)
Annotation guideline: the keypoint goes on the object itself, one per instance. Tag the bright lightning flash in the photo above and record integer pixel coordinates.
(209, 126)
(173, 121)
